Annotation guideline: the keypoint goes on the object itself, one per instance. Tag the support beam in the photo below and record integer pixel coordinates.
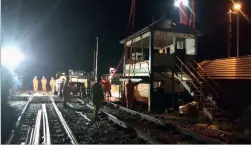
(151, 48)
(174, 45)
(173, 88)
(142, 49)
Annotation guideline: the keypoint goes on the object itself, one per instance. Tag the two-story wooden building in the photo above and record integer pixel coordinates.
(156, 51)
(164, 53)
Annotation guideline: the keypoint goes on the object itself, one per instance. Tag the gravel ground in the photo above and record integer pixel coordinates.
(9, 117)
(29, 120)
(18, 107)
(18, 98)
(102, 131)
(164, 135)
(44, 99)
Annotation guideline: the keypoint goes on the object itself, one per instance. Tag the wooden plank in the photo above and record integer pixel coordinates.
(231, 77)
(229, 65)
(227, 70)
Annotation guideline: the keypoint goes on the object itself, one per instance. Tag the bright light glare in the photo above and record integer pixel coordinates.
(177, 3)
(11, 57)
(237, 6)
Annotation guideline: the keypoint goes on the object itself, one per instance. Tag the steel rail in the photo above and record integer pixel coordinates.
(28, 135)
(36, 136)
(31, 136)
(126, 125)
(19, 120)
(144, 116)
(47, 135)
(179, 129)
(66, 126)
(44, 127)
(110, 117)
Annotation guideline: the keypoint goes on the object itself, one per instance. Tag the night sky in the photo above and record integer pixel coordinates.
(61, 34)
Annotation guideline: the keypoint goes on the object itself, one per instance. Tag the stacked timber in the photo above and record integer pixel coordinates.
(227, 68)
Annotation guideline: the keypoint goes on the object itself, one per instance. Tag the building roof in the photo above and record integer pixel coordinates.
(164, 24)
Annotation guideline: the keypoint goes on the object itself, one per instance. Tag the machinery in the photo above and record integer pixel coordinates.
(79, 80)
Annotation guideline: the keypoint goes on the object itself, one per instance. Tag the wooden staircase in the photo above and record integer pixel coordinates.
(202, 91)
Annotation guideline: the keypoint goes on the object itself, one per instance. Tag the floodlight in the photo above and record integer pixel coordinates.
(11, 57)
(237, 6)
(177, 3)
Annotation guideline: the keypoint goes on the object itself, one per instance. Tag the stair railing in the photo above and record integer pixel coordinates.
(190, 76)
(201, 85)
(204, 80)
(210, 78)
(204, 91)
(197, 80)
(207, 87)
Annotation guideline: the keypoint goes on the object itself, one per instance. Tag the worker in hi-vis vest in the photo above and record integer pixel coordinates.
(44, 83)
(130, 98)
(52, 84)
(35, 84)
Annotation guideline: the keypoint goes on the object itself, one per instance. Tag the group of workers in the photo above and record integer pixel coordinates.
(44, 84)
(101, 87)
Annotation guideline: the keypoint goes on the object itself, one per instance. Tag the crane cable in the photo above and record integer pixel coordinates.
(131, 49)
(129, 22)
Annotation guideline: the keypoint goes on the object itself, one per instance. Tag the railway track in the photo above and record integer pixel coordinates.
(27, 121)
(45, 120)
(79, 118)
(58, 134)
(150, 127)
(201, 133)
(48, 122)
(36, 126)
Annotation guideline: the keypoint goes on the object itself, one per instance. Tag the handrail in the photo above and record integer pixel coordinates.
(190, 82)
(192, 74)
(187, 69)
(210, 78)
(205, 81)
